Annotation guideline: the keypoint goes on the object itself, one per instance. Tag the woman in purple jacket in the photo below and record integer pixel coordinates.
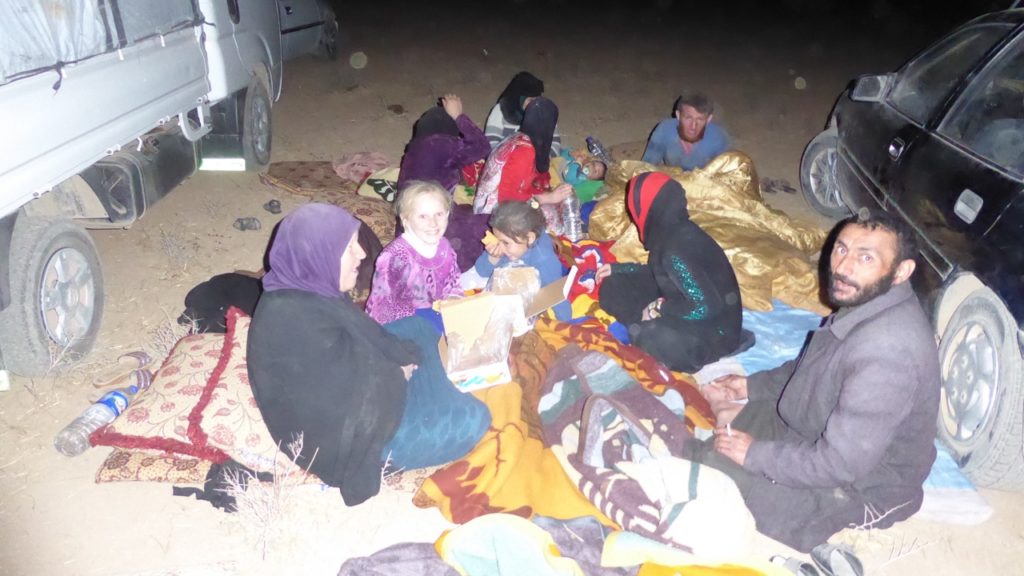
(444, 140)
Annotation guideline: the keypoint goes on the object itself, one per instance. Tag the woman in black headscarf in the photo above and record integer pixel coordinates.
(517, 170)
(358, 392)
(683, 306)
(507, 114)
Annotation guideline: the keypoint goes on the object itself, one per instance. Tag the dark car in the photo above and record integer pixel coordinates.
(941, 144)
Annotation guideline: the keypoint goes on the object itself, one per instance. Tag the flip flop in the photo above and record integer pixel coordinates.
(273, 206)
(795, 566)
(122, 368)
(247, 223)
(837, 560)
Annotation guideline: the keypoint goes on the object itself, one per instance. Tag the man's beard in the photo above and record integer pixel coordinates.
(864, 293)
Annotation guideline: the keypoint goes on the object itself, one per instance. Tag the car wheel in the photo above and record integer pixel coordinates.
(818, 176)
(256, 129)
(329, 36)
(982, 396)
(56, 296)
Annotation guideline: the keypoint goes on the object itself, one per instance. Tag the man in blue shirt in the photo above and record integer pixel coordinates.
(690, 139)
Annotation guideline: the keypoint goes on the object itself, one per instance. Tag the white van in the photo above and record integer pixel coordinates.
(106, 107)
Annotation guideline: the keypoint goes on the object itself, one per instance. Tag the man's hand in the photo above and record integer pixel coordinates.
(733, 444)
(604, 271)
(452, 105)
(408, 369)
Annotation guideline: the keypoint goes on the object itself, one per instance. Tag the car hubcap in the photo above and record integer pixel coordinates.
(260, 128)
(823, 178)
(67, 297)
(969, 384)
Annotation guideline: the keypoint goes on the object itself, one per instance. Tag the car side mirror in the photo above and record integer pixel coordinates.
(871, 88)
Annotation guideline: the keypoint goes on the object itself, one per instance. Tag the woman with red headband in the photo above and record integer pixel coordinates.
(683, 306)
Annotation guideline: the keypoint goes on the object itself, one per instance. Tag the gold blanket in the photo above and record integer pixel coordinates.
(773, 256)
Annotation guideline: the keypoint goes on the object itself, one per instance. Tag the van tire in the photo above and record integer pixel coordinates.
(50, 258)
(256, 127)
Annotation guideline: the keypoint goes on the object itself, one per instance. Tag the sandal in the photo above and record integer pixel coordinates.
(795, 566)
(837, 560)
(273, 206)
(126, 364)
(247, 223)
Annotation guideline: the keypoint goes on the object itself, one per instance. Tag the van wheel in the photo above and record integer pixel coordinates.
(56, 296)
(981, 409)
(818, 176)
(256, 129)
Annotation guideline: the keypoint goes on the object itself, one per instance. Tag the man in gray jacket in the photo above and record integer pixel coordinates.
(843, 435)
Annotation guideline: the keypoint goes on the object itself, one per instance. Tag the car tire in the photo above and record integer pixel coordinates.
(256, 127)
(818, 176)
(56, 296)
(981, 409)
(329, 36)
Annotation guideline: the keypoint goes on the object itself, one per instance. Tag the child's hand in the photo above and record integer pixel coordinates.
(604, 271)
(494, 252)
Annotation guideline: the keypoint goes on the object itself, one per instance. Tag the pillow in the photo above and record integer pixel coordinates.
(382, 185)
(152, 466)
(232, 421)
(165, 416)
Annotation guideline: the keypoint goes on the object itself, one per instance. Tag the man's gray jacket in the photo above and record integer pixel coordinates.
(854, 430)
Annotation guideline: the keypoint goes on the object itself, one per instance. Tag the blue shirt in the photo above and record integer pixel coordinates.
(542, 257)
(665, 149)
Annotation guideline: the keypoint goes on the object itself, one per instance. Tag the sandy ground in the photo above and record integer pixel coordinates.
(774, 83)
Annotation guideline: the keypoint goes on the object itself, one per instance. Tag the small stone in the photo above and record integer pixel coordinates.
(799, 83)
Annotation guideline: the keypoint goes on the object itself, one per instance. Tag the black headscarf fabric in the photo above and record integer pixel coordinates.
(434, 121)
(523, 85)
(539, 124)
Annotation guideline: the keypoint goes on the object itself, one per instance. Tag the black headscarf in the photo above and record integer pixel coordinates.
(657, 204)
(523, 85)
(434, 121)
(539, 123)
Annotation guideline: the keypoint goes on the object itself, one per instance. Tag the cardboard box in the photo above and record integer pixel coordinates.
(479, 330)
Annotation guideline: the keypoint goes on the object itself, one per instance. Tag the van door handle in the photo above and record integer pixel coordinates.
(896, 148)
(288, 10)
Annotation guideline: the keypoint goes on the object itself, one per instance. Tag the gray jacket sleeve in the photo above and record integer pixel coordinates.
(768, 384)
(875, 395)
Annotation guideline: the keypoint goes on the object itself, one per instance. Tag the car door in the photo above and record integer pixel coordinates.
(300, 26)
(956, 176)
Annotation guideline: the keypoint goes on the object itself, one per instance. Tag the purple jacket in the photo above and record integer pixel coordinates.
(439, 157)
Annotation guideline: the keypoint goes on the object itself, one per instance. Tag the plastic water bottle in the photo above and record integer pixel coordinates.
(74, 438)
(597, 149)
(572, 224)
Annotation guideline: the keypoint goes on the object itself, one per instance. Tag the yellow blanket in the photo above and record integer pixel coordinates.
(773, 256)
(510, 470)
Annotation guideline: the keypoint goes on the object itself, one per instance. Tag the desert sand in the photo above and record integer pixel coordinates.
(774, 77)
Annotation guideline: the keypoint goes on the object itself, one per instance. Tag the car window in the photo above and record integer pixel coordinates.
(924, 83)
(988, 118)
